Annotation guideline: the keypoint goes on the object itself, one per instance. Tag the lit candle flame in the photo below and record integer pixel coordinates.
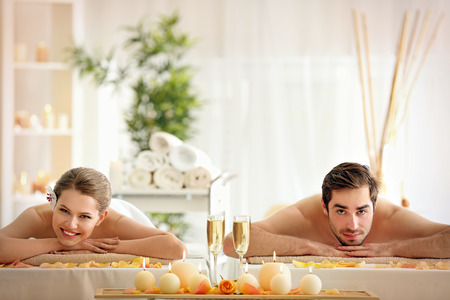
(170, 267)
(310, 269)
(23, 178)
(184, 255)
(48, 108)
(143, 263)
(199, 268)
(246, 268)
(274, 256)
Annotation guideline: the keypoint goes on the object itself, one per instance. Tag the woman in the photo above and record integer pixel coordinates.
(78, 221)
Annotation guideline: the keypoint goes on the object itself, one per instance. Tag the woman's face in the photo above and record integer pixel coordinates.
(75, 217)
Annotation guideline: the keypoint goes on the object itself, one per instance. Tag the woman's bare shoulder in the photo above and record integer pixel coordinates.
(32, 222)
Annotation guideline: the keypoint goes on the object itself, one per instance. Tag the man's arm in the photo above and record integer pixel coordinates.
(412, 236)
(264, 243)
(283, 233)
(435, 246)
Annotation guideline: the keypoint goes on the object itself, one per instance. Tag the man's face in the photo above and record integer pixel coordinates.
(350, 215)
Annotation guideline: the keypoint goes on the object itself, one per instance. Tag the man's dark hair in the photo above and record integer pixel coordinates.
(349, 175)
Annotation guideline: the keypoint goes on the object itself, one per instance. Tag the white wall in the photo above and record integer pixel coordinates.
(283, 94)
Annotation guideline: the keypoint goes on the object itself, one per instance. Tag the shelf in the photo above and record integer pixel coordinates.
(163, 192)
(43, 132)
(29, 85)
(46, 1)
(52, 66)
(30, 198)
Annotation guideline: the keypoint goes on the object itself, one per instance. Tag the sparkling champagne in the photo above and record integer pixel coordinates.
(215, 230)
(241, 236)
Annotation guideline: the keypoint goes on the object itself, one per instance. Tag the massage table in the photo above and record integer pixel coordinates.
(71, 283)
(388, 283)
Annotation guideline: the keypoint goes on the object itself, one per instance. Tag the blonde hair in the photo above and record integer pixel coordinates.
(88, 182)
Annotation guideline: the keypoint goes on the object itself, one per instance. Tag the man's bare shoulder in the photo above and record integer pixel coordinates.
(295, 219)
(393, 222)
(310, 205)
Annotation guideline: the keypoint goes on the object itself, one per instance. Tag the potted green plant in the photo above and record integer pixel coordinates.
(164, 98)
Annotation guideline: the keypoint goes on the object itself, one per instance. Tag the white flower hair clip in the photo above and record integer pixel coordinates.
(51, 197)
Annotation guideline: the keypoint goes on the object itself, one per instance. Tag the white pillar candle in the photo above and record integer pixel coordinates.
(24, 185)
(63, 121)
(116, 174)
(144, 280)
(268, 270)
(169, 283)
(310, 284)
(20, 52)
(184, 270)
(49, 116)
(42, 52)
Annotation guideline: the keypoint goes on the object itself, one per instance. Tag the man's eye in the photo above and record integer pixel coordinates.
(340, 212)
(362, 212)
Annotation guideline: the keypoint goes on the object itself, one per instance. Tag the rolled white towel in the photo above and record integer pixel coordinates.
(150, 161)
(139, 178)
(168, 177)
(163, 142)
(186, 157)
(197, 178)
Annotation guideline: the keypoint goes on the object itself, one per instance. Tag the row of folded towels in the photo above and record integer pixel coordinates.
(171, 164)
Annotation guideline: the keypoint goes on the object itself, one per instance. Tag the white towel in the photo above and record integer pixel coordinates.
(150, 161)
(163, 142)
(186, 157)
(168, 177)
(139, 178)
(197, 178)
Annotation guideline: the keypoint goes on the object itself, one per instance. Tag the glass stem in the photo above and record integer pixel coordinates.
(215, 270)
(240, 263)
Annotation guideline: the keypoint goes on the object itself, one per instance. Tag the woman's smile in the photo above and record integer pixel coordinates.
(69, 234)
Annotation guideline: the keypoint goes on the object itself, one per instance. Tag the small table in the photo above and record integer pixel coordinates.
(350, 295)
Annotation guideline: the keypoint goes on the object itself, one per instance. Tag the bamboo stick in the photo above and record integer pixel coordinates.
(369, 80)
(363, 88)
(422, 61)
(409, 51)
(392, 101)
(412, 67)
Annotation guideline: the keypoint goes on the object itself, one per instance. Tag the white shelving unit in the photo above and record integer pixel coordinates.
(212, 200)
(28, 86)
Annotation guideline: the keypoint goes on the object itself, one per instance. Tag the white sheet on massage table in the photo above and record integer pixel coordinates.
(388, 283)
(72, 283)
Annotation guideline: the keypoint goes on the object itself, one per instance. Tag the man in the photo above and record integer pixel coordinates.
(348, 219)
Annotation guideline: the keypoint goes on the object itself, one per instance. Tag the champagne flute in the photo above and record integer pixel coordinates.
(215, 230)
(241, 236)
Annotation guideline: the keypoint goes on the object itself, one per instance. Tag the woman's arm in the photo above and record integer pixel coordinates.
(15, 242)
(31, 234)
(138, 239)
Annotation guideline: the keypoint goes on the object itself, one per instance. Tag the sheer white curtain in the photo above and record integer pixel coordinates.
(282, 93)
